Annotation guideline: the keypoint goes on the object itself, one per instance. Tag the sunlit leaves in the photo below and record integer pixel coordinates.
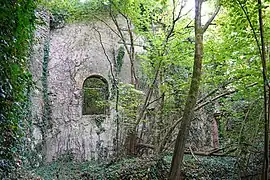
(232, 56)
(75, 10)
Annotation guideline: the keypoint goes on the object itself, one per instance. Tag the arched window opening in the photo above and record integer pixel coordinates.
(95, 96)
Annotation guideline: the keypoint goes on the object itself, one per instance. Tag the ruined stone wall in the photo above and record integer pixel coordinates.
(200, 133)
(41, 37)
(75, 54)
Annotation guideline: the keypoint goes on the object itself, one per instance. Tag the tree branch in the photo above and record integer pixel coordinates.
(220, 96)
(251, 26)
(104, 51)
(107, 25)
(171, 128)
(211, 19)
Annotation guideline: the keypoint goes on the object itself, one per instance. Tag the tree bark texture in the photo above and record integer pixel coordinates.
(179, 149)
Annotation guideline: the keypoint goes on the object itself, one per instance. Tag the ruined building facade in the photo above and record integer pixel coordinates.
(65, 62)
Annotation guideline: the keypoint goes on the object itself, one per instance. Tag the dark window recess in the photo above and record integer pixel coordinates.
(95, 96)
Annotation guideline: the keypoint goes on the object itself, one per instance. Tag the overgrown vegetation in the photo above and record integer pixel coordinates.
(68, 11)
(17, 23)
(136, 168)
(224, 87)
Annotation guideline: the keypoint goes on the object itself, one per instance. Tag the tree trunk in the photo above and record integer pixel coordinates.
(266, 100)
(175, 171)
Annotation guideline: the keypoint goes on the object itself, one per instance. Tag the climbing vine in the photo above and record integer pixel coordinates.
(17, 24)
(46, 115)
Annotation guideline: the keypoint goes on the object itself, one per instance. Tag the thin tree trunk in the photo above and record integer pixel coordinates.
(266, 102)
(175, 171)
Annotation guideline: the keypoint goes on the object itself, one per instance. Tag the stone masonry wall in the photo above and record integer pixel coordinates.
(75, 54)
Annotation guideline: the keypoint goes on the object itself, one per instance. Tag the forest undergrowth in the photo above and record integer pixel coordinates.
(152, 168)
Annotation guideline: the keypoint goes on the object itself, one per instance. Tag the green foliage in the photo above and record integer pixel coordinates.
(211, 168)
(135, 168)
(130, 99)
(141, 13)
(167, 63)
(232, 57)
(120, 59)
(73, 10)
(17, 20)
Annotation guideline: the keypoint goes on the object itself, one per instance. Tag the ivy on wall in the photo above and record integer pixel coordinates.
(46, 111)
(17, 24)
(73, 10)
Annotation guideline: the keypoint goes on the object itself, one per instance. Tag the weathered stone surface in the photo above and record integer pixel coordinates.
(37, 56)
(75, 54)
(200, 133)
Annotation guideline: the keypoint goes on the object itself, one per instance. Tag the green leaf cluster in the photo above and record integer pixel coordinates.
(130, 100)
(232, 57)
(66, 11)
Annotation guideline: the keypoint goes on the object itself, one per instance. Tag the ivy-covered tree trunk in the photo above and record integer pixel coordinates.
(176, 165)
